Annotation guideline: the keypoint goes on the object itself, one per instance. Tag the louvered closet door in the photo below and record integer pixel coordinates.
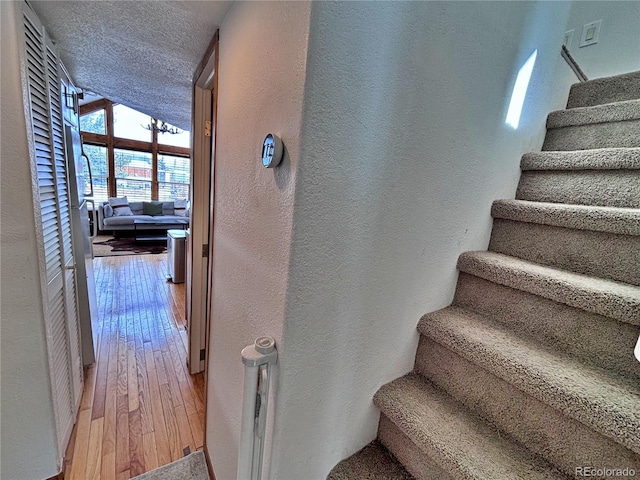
(61, 320)
(57, 129)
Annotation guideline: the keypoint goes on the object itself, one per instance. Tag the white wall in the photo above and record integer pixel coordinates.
(618, 48)
(28, 436)
(263, 48)
(404, 147)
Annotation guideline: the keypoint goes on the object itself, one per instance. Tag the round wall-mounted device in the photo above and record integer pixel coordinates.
(271, 151)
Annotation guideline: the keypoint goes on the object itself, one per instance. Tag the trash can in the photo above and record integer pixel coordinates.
(176, 261)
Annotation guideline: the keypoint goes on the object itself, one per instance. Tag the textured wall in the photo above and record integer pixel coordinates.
(28, 436)
(618, 48)
(263, 49)
(404, 147)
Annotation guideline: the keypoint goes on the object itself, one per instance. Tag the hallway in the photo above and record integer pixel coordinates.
(140, 407)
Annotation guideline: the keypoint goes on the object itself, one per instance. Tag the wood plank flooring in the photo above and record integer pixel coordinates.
(140, 406)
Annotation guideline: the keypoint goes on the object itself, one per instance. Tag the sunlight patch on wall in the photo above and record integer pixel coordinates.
(520, 91)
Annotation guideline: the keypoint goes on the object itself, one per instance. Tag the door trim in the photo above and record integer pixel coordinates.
(205, 105)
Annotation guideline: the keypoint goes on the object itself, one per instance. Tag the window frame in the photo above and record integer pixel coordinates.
(111, 142)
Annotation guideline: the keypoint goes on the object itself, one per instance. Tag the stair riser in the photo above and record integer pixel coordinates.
(540, 374)
(594, 339)
(371, 463)
(457, 440)
(562, 441)
(611, 299)
(613, 188)
(619, 221)
(606, 159)
(407, 453)
(598, 135)
(605, 255)
(598, 92)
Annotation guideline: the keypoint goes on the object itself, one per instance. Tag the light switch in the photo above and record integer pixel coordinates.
(568, 38)
(590, 33)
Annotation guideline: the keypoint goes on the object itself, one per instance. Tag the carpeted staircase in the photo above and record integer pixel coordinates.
(530, 373)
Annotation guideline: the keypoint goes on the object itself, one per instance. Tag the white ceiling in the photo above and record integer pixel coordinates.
(139, 53)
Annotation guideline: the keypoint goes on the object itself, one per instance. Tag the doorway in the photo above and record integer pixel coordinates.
(199, 261)
(144, 403)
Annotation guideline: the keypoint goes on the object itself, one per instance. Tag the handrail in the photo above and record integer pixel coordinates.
(257, 359)
(564, 52)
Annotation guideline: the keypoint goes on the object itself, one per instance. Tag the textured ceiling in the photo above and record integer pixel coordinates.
(139, 53)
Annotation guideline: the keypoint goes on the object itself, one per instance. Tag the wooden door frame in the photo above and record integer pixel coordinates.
(205, 105)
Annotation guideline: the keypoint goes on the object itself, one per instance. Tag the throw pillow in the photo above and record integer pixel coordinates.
(120, 206)
(167, 208)
(108, 211)
(181, 207)
(151, 208)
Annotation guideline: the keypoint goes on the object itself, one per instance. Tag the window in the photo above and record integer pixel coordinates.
(93, 122)
(182, 139)
(133, 174)
(173, 177)
(127, 159)
(128, 123)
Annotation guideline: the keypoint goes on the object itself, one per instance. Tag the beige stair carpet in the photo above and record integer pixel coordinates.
(191, 467)
(530, 372)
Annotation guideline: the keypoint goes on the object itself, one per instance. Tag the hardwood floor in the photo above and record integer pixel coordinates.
(140, 406)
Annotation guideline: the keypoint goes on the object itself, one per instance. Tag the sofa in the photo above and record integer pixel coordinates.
(174, 214)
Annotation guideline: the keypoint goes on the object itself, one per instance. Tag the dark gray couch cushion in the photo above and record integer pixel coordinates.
(126, 220)
(136, 208)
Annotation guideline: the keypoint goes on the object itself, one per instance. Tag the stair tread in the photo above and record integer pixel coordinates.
(373, 462)
(457, 440)
(593, 159)
(622, 221)
(612, 188)
(588, 394)
(612, 299)
(605, 90)
(610, 112)
(560, 326)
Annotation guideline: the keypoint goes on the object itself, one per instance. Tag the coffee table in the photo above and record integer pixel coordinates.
(147, 230)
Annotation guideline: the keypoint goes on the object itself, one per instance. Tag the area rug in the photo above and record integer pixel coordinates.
(191, 467)
(107, 246)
